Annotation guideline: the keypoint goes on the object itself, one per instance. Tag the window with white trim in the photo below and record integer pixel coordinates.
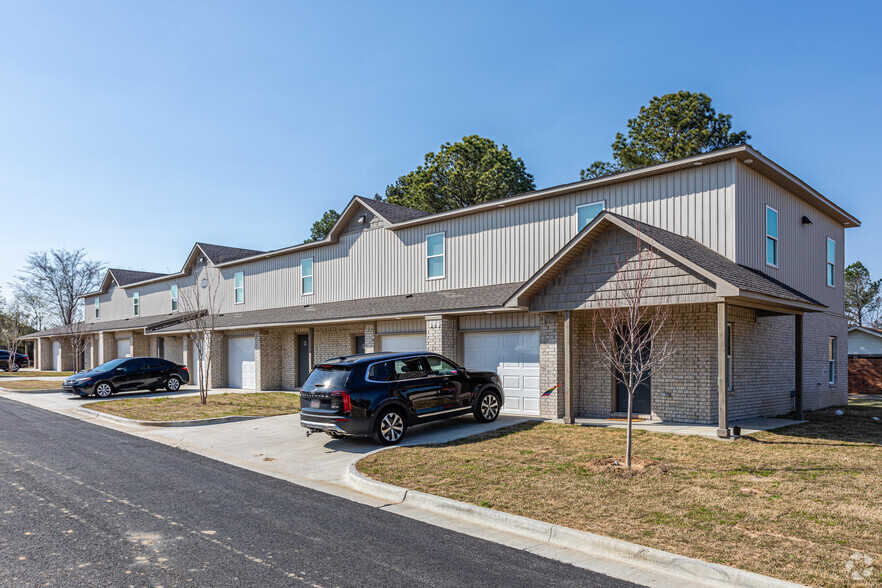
(729, 354)
(306, 275)
(97, 308)
(771, 236)
(831, 360)
(588, 212)
(136, 303)
(435, 256)
(174, 297)
(831, 262)
(239, 287)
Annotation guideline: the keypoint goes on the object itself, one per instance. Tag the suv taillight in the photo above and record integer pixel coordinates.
(347, 401)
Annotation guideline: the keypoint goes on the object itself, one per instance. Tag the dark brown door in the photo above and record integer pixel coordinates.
(643, 394)
(303, 367)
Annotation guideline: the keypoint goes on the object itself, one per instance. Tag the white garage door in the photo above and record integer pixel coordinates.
(241, 355)
(514, 356)
(403, 343)
(123, 348)
(56, 356)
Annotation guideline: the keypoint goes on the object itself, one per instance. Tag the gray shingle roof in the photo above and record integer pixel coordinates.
(394, 213)
(738, 275)
(426, 302)
(125, 277)
(222, 254)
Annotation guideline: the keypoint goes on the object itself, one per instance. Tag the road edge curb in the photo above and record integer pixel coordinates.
(591, 544)
(119, 419)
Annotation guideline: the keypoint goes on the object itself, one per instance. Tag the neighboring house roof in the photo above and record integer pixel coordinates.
(219, 254)
(722, 270)
(125, 277)
(419, 304)
(867, 330)
(138, 322)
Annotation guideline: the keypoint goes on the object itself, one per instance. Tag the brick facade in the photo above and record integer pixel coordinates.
(441, 335)
(551, 364)
(865, 374)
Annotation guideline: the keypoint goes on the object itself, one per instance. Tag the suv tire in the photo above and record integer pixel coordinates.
(390, 426)
(487, 407)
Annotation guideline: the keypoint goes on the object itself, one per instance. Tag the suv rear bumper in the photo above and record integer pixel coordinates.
(334, 424)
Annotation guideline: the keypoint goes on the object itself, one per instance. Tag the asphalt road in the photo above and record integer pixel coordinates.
(83, 505)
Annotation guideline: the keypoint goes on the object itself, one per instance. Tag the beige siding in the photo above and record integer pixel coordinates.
(802, 253)
(402, 326)
(507, 320)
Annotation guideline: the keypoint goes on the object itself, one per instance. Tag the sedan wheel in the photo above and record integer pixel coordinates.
(15, 367)
(488, 408)
(390, 428)
(103, 390)
(173, 384)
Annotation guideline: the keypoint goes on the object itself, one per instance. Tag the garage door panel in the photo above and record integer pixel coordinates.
(403, 343)
(123, 348)
(515, 357)
(240, 354)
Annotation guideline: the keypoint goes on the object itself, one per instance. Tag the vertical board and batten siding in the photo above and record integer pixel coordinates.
(496, 246)
(154, 300)
(402, 326)
(498, 321)
(802, 249)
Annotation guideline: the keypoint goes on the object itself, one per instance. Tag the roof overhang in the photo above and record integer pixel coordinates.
(872, 332)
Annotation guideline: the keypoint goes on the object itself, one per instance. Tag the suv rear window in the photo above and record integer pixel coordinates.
(328, 376)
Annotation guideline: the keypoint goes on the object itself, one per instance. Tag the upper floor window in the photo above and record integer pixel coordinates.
(306, 276)
(831, 262)
(174, 297)
(831, 360)
(97, 308)
(435, 256)
(136, 301)
(587, 212)
(771, 236)
(239, 287)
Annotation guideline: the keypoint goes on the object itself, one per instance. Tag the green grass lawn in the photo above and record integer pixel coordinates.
(795, 503)
(30, 385)
(189, 408)
(33, 374)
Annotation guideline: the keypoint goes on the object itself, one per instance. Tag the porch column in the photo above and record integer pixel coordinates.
(722, 397)
(568, 368)
(797, 356)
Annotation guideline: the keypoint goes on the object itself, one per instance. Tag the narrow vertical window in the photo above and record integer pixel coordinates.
(97, 308)
(435, 256)
(771, 236)
(831, 263)
(587, 212)
(239, 287)
(306, 276)
(174, 297)
(136, 302)
(729, 350)
(831, 360)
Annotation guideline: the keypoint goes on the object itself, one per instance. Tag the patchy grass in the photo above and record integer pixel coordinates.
(188, 407)
(31, 385)
(796, 503)
(870, 402)
(33, 374)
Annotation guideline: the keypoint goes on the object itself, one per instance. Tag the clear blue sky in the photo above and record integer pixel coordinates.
(134, 129)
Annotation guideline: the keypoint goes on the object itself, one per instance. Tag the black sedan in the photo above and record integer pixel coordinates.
(382, 394)
(21, 360)
(133, 373)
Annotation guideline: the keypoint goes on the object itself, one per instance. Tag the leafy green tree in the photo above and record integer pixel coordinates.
(323, 226)
(862, 299)
(464, 173)
(671, 127)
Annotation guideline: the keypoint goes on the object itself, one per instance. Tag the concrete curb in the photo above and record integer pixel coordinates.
(694, 570)
(40, 391)
(119, 419)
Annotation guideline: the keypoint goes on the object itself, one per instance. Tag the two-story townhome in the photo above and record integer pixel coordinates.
(748, 257)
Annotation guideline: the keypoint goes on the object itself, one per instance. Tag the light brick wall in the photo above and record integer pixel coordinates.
(817, 392)
(216, 346)
(334, 341)
(142, 345)
(45, 354)
(551, 364)
(268, 360)
(288, 349)
(370, 334)
(441, 335)
(106, 347)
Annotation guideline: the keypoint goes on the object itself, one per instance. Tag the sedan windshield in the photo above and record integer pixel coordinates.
(109, 365)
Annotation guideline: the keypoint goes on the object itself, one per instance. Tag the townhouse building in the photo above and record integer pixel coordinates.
(749, 258)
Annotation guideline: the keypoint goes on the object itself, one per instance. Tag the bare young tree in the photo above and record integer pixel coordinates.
(74, 337)
(201, 304)
(629, 327)
(12, 326)
(59, 277)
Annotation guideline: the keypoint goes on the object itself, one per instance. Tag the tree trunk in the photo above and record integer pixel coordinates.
(628, 444)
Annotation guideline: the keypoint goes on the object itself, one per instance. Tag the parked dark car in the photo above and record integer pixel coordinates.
(21, 360)
(382, 394)
(132, 373)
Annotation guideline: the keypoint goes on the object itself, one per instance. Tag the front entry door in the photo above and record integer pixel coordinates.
(642, 396)
(303, 367)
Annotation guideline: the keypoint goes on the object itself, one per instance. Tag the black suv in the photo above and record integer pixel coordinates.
(21, 360)
(133, 373)
(382, 394)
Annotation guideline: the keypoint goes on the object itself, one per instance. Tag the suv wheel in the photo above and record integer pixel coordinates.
(487, 408)
(103, 389)
(390, 427)
(173, 384)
